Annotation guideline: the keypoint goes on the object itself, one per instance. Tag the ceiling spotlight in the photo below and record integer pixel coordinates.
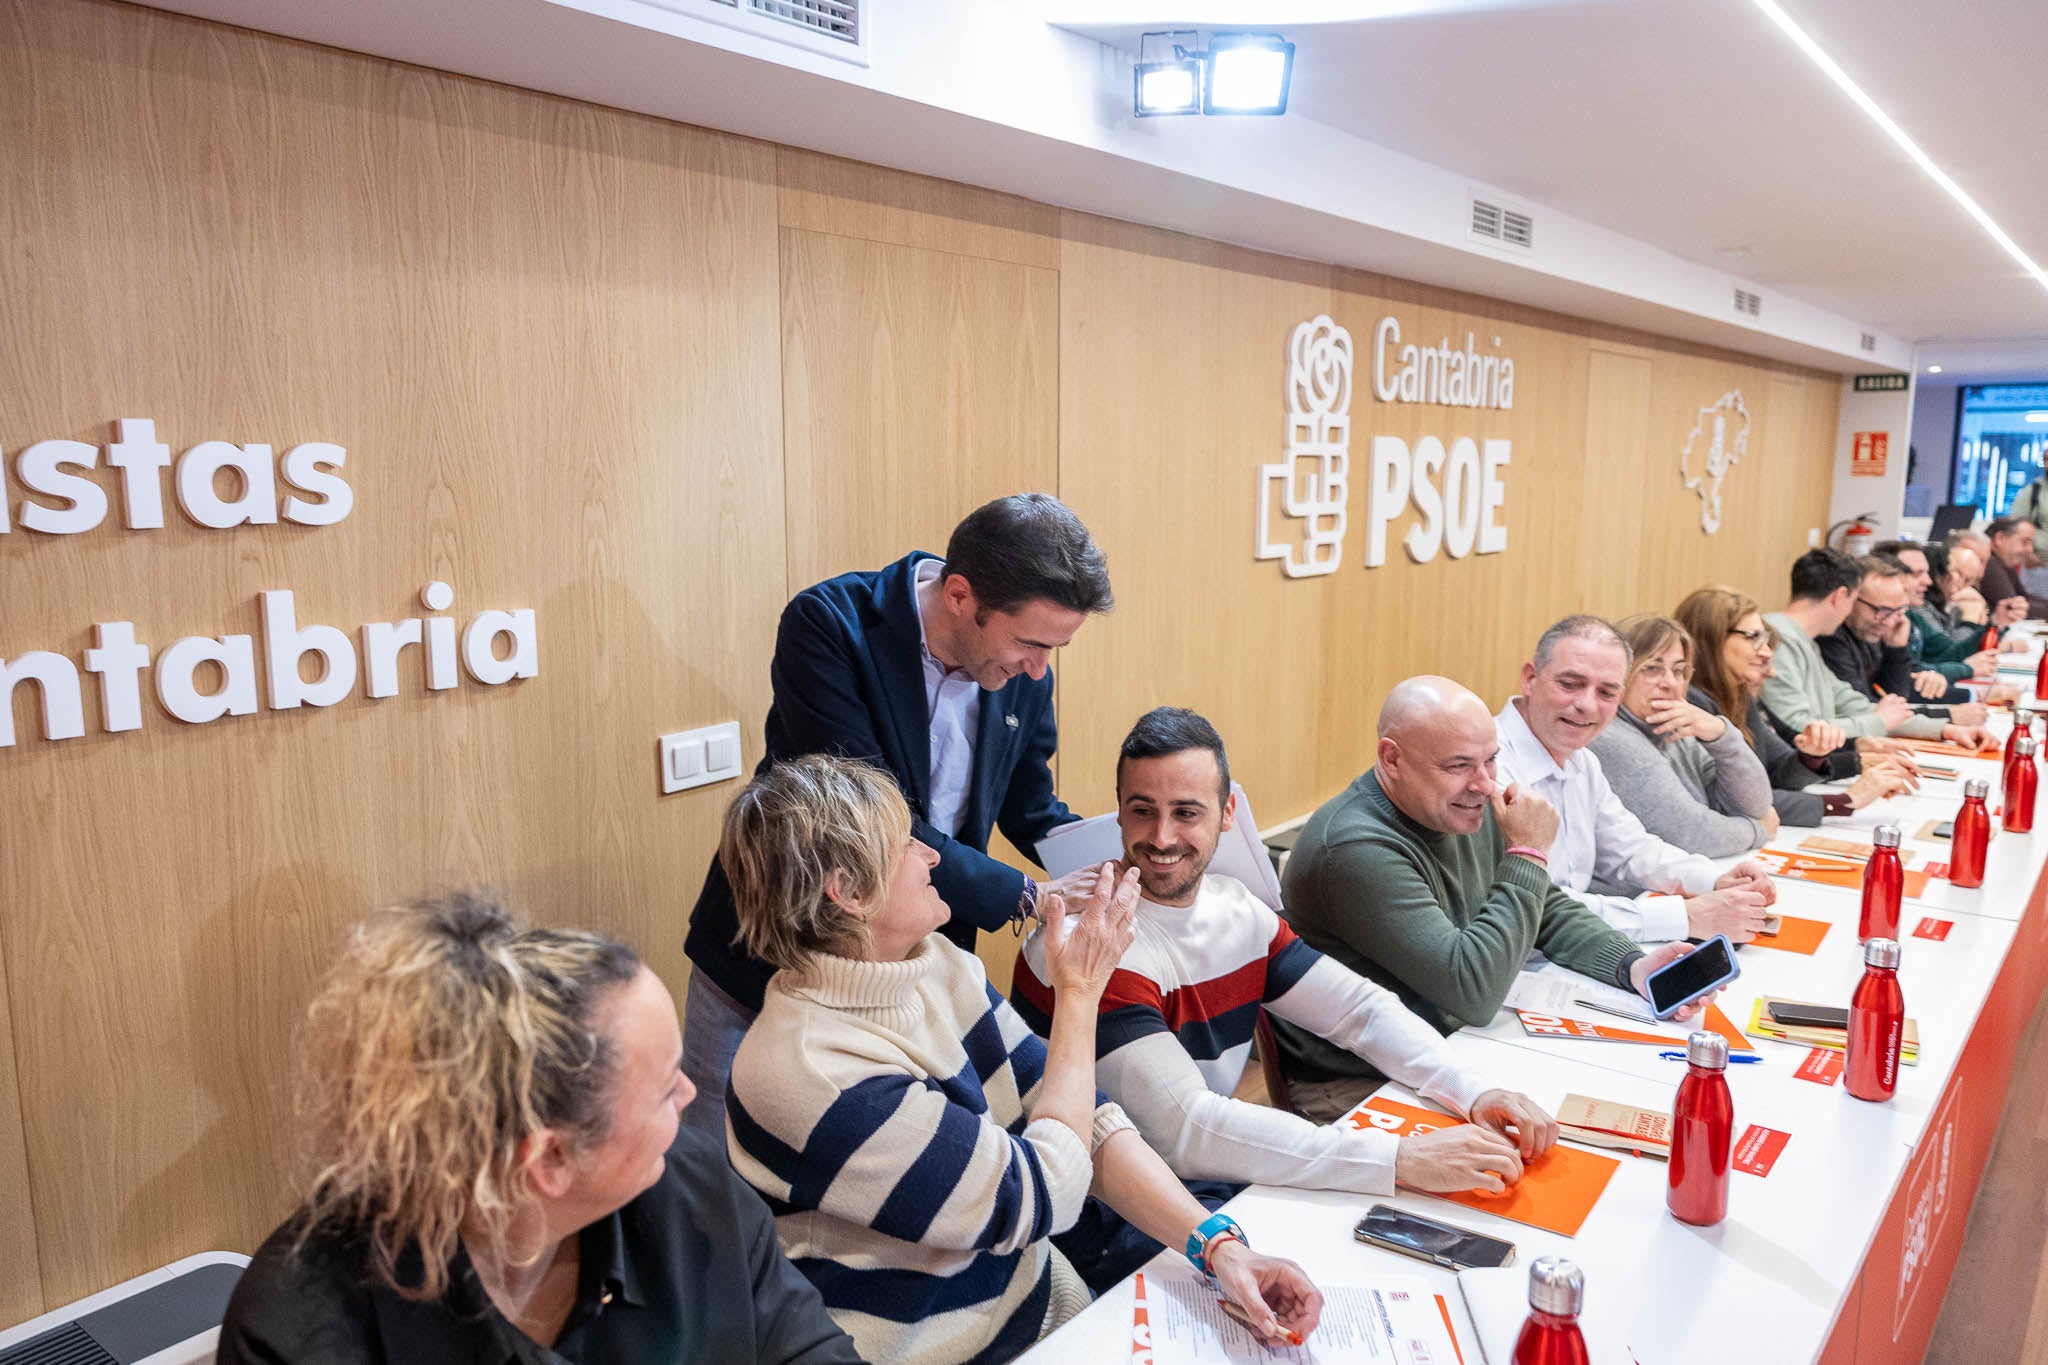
(1171, 83)
(1239, 73)
(2037, 417)
(1934, 369)
(1248, 74)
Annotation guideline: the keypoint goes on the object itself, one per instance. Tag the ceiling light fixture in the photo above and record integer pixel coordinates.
(1170, 84)
(1934, 369)
(1248, 74)
(2037, 417)
(1240, 73)
(1834, 72)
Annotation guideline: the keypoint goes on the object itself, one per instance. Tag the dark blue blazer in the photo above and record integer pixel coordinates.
(848, 678)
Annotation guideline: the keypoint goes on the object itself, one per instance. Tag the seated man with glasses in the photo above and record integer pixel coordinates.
(1872, 651)
(1829, 589)
(1650, 889)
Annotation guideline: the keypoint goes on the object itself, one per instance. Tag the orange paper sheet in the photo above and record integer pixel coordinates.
(1809, 867)
(1551, 1026)
(1795, 935)
(1555, 1193)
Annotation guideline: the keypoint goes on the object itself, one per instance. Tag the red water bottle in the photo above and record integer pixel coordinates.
(1971, 836)
(2041, 678)
(1990, 638)
(1551, 1335)
(2022, 724)
(1877, 1024)
(2022, 777)
(1883, 880)
(1702, 1134)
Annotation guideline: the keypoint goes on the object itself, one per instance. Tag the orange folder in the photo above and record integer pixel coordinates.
(1795, 935)
(1551, 1026)
(1811, 867)
(1556, 1191)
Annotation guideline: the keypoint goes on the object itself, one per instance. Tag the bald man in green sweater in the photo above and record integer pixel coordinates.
(1426, 876)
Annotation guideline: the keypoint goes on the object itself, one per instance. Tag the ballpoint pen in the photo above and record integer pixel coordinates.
(1734, 1058)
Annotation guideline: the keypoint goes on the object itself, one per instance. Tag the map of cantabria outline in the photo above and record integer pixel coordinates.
(1725, 424)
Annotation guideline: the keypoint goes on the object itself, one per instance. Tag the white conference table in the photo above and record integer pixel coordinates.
(1862, 1194)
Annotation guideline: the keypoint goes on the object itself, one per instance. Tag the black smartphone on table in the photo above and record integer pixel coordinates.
(1807, 1016)
(1425, 1239)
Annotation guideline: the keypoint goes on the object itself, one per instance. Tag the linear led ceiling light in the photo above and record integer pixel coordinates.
(1834, 72)
(1240, 73)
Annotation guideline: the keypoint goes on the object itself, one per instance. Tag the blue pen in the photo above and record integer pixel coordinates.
(1734, 1058)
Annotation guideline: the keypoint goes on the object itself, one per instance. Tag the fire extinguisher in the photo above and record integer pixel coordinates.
(1858, 534)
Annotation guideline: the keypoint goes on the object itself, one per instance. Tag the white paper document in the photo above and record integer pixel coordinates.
(1390, 1319)
(1558, 992)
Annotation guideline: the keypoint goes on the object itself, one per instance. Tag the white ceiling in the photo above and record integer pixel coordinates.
(1695, 126)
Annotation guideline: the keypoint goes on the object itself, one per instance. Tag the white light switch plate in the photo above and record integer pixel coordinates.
(692, 758)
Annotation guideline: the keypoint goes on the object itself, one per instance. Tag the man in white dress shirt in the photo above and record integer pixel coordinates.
(1648, 889)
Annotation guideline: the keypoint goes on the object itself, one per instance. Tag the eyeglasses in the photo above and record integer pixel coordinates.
(1881, 613)
(1757, 638)
(1656, 673)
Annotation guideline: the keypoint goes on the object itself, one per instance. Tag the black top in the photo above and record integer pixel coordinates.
(688, 1272)
(848, 676)
(1874, 669)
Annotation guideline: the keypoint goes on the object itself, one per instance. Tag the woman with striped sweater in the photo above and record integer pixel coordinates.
(917, 1143)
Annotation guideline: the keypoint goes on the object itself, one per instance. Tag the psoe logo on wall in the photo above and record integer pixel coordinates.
(1312, 484)
(1455, 486)
(1718, 440)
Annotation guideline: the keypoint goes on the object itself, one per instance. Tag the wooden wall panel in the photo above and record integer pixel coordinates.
(1173, 366)
(547, 336)
(916, 385)
(647, 381)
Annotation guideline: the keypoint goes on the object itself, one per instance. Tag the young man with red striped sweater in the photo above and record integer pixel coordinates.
(1177, 1018)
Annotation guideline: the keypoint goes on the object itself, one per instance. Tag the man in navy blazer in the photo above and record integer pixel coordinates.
(936, 671)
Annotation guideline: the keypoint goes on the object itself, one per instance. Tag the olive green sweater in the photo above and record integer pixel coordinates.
(1443, 920)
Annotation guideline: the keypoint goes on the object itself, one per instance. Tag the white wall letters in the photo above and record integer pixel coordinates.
(317, 495)
(1458, 492)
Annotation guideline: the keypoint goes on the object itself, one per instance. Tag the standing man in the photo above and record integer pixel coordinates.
(2011, 541)
(937, 671)
(1570, 691)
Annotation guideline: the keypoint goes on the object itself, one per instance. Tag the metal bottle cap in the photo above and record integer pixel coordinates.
(1885, 836)
(2026, 746)
(1879, 952)
(1977, 787)
(1709, 1050)
(1556, 1286)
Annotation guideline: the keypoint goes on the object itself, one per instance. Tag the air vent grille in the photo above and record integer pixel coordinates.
(1869, 342)
(66, 1345)
(1492, 223)
(834, 18)
(1748, 303)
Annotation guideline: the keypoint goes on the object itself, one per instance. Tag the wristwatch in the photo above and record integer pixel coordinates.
(1027, 907)
(1215, 1228)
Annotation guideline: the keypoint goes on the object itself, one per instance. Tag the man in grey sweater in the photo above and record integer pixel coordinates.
(1426, 876)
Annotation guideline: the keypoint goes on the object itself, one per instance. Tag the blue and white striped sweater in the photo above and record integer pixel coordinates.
(882, 1110)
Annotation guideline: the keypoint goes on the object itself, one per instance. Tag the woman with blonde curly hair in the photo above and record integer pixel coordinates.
(492, 1168)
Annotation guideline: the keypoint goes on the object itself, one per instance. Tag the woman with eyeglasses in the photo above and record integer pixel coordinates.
(1731, 657)
(1684, 771)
